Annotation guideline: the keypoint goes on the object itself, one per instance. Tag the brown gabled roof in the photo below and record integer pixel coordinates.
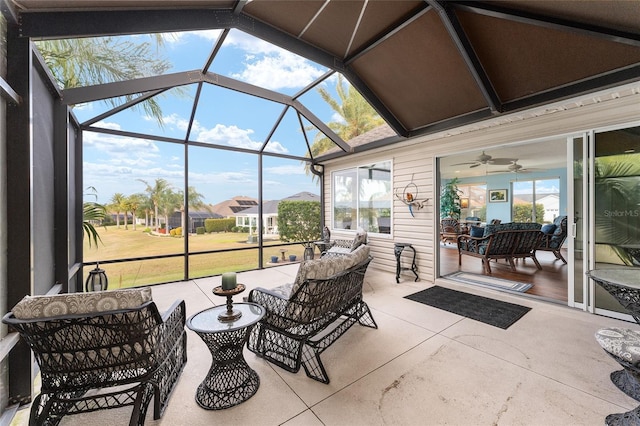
(229, 208)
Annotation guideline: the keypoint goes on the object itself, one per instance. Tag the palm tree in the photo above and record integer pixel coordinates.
(89, 61)
(169, 203)
(92, 212)
(116, 206)
(156, 194)
(356, 117)
(133, 203)
(194, 198)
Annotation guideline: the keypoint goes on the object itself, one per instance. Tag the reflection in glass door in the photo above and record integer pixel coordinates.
(616, 206)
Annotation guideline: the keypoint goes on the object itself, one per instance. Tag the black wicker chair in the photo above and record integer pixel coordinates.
(298, 327)
(80, 354)
(554, 240)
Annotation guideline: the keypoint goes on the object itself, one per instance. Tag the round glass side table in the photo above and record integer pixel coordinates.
(230, 381)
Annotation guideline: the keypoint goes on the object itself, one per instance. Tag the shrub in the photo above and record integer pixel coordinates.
(219, 225)
(172, 232)
(200, 230)
(299, 220)
(177, 232)
(147, 230)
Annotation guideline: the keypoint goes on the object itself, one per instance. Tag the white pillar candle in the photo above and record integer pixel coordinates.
(228, 280)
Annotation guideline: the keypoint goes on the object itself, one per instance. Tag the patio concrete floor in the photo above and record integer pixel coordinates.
(422, 366)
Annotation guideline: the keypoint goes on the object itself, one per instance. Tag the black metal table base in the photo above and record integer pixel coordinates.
(230, 380)
(630, 418)
(397, 250)
(627, 383)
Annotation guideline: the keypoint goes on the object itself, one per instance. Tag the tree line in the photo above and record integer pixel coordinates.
(159, 201)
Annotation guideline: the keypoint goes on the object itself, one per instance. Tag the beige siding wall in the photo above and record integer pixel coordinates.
(414, 161)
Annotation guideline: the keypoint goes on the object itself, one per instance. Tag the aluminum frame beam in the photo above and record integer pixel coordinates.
(457, 34)
(544, 21)
(87, 23)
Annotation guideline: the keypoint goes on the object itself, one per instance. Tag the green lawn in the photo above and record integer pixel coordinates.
(123, 244)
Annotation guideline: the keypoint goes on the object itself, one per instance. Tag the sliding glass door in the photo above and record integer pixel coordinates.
(606, 213)
(616, 206)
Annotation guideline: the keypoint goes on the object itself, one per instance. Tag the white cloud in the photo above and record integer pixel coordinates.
(228, 135)
(269, 66)
(275, 146)
(285, 170)
(211, 35)
(120, 151)
(275, 71)
(175, 121)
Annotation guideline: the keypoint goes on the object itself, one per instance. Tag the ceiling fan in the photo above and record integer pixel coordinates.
(487, 159)
(514, 167)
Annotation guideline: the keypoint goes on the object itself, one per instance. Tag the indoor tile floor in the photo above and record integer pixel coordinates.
(422, 366)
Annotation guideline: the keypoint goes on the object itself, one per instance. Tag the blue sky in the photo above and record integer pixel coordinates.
(116, 164)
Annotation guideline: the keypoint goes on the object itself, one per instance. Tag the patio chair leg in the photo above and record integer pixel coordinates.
(486, 265)
(559, 256)
(365, 318)
(535, 260)
(313, 364)
(141, 405)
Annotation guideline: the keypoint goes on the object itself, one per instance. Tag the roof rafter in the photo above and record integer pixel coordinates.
(451, 23)
(78, 95)
(123, 106)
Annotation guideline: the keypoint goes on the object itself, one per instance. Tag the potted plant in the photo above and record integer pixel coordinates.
(450, 200)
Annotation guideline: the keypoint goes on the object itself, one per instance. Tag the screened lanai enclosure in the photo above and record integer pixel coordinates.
(164, 111)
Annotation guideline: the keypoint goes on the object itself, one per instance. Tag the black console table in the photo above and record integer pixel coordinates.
(397, 250)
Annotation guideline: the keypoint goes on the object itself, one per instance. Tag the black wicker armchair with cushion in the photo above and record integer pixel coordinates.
(101, 350)
(306, 317)
(554, 235)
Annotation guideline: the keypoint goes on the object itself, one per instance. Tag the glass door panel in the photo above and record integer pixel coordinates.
(577, 223)
(616, 209)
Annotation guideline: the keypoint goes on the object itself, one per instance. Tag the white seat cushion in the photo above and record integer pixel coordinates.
(33, 307)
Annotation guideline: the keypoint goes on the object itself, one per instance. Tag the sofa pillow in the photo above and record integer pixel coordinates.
(337, 250)
(33, 307)
(549, 228)
(359, 255)
(325, 267)
(328, 266)
(360, 238)
(476, 231)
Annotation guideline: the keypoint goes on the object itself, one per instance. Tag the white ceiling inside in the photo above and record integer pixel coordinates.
(538, 156)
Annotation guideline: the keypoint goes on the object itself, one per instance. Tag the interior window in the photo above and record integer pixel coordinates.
(362, 198)
(544, 194)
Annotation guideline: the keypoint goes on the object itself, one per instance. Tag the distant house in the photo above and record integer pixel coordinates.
(249, 217)
(229, 208)
(195, 220)
(550, 202)
(551, 205)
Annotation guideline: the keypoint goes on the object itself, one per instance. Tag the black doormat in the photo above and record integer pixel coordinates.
(489, 311)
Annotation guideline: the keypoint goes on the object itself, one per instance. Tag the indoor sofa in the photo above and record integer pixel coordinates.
(507, 241)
